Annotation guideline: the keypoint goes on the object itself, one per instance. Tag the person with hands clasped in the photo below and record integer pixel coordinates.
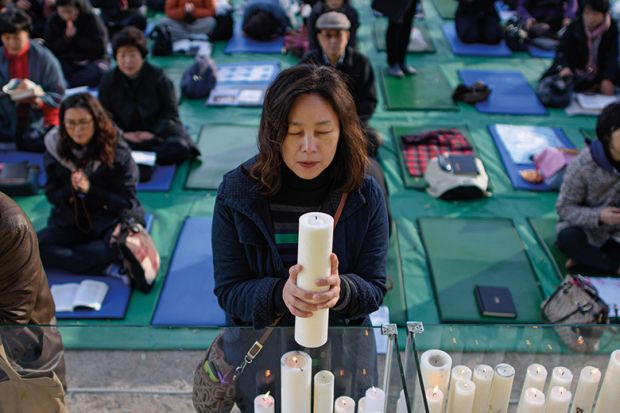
(311, 152)
(91, 184)
(189, 19)
(589, 201)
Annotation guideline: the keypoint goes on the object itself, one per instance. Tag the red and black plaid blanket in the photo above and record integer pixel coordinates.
(419, 149)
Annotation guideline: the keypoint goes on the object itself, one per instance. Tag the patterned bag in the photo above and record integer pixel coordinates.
(574, 303)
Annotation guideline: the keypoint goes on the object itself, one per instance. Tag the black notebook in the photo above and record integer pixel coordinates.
(463, 164)
(495, 301)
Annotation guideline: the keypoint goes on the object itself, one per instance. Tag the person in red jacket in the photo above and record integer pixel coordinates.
(189, 19)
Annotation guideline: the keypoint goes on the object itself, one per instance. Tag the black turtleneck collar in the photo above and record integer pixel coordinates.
(303, 192)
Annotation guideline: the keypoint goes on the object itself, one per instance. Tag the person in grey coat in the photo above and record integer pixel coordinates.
(589, 201)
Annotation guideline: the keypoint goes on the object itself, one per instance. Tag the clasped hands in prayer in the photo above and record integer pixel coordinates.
(303, 303)
(79, 181)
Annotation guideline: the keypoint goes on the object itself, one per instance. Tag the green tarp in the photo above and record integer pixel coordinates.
(463, 253)
(427, 90)
(380, 27)
(446, 8)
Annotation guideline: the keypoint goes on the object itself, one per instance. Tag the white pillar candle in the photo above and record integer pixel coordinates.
(535, 377)
(435, 366)
(264, 403)
(459, 372)
(434, 398)
(558, 400)
(501, 386)
(375, 400)
(361, 405)
(561, 377)
(296, 382)
(587, 386)
(316, 231)
(483, 377)
(609, 397)
(463, 396)
(324, 391)
(401, 404)
(533, 401)
(344, 404)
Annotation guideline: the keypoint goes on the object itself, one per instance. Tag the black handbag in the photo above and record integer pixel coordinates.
(575, 306)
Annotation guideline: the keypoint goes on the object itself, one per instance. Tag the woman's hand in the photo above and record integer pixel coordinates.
(607, 87)
(138, 136)
(303, 303)
(566, 72)
(70, 30)
(80, 181)
(610, 216)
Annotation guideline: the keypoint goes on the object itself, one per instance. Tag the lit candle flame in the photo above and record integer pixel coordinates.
(593, 371)
(537, 370)
(435, 391)
(267, 374)
(561, 370)
(364, 373)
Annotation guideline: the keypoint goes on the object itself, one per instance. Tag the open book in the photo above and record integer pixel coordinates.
(88, 295)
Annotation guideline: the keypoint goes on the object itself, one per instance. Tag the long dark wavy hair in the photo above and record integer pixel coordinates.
(101, 147)
(350, 161)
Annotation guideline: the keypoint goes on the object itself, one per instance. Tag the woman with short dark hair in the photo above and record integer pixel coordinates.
(91, 183)
(311, 151)
(142, 102)
(78, 38)
(588, 205)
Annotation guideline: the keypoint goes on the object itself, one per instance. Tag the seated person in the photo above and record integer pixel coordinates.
(141, 99)
(546, 17)
(266, 19)
(91, 184)
(118, 14)
(25, 298)
(189, 19)
(477, 21)
(588, 50)
(311, 153)
(25, 121)
(324, 6)
(589, 225)
(39, 11)
(78, 38)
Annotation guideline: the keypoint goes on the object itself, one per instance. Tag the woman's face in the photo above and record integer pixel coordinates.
(15, 42)
(592, 18)
(80, 125)
(614, 145)
(129, 60)
(312, 137)
(68, 13)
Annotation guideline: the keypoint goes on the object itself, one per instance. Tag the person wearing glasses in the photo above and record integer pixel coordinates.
(91, 184)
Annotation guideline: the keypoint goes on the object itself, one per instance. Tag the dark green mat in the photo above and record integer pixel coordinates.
(223, 148)
(446, 8)
(427, 90)
(379, 28)
(589, 134)
(398, 131)
(462, 253)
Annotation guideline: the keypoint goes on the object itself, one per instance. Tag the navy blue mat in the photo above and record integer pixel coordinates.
(114, 305)
(541, 53)
(511, 94)
(512, 168)
(475, 49)
(187, 298)
(239, 43)
(30, 157)
(161, 180)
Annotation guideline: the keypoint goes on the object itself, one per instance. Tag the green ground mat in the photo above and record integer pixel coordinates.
(427, 90)
(462, 253)
(589, 134)
(379, 28)
(223, 148)
(398, 131)
(446, 8)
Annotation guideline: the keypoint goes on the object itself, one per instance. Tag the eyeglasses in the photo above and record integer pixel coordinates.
(72, 124)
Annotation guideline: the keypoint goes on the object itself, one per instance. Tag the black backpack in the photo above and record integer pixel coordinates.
(515, 35)
(162, 41)
(555, 91)
(198, 80)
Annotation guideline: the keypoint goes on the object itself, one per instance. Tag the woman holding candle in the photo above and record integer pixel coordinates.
(311, 151)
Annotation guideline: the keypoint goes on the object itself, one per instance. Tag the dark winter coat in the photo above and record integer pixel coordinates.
(88, 44)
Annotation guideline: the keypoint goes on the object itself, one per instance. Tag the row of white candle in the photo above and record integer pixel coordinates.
(489, 389)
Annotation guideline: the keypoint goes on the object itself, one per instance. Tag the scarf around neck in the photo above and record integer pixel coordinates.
(593, 38)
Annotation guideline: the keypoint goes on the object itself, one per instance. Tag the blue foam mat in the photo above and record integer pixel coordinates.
(512, 168)
(541, 53)
(31, 157)
(114, 305)
(511, 94)
(187, 298)
(239, 43)
(476, 49)
(161, 180)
